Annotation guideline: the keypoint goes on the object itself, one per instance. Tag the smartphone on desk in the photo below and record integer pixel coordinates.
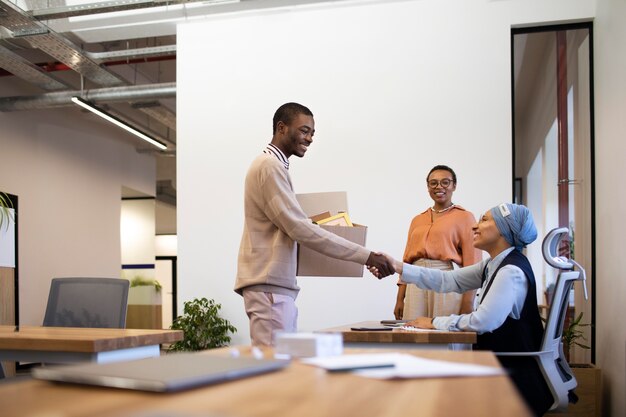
(393, 323)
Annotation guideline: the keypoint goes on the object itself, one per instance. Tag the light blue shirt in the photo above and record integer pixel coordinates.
(506, 295)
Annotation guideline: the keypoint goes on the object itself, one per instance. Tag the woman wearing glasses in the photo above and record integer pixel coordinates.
(506, 318)
(438, 238)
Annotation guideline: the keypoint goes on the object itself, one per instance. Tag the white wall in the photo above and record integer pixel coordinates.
(395, 87)
(610, 102)
(166, 245)
(67, 172)
(138, 244)
(137, 231)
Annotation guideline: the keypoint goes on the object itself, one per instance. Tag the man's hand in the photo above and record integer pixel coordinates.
(383, 266)
(394, 264)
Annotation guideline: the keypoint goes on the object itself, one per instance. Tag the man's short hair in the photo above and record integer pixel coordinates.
(287, 112)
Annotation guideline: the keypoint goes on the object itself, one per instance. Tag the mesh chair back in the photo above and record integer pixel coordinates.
(552, 338)
(87, 302)
(555, 368)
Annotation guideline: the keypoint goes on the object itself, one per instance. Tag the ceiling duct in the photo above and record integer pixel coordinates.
(112, 94)
(63, 12)
(28, 71)
(40, 36)
(21, 24)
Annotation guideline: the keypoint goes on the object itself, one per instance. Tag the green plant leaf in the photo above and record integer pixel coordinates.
(140, 281)
(572, 334)
(6, 215)
(202, 326)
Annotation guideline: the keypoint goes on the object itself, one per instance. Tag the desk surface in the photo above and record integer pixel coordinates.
(71, 339)
(297, 391)
(397, 335)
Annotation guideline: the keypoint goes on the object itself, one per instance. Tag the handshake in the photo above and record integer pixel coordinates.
(382, 265)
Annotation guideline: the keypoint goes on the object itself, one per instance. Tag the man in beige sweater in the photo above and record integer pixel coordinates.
(275, 223)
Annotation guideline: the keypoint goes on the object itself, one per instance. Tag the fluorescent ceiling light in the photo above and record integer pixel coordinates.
(87, 105)
(154, 8)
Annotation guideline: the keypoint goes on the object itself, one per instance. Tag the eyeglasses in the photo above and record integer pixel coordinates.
(445, 183)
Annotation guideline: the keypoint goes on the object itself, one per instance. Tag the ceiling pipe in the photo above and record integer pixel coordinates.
(130, 54)
(59, 66)
(110, 95)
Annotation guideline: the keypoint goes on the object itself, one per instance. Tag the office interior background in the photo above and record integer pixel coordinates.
(396, 87)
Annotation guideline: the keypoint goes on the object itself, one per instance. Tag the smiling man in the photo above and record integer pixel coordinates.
(274, 223)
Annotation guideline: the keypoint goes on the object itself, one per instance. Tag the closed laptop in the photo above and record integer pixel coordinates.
(168, 373)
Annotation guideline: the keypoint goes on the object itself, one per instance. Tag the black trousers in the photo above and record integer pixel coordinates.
(529, 380)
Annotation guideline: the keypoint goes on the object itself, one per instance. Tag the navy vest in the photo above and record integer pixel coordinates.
(523, 334)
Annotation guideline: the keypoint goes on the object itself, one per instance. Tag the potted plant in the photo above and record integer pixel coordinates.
(144, 291)
(144, 304)
(140, 281)
(202, 325)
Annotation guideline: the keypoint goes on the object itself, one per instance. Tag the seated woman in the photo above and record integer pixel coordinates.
(506, 318)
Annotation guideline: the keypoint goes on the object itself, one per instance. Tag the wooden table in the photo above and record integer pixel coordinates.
(396, 338)
(297, 391)
(70, 344)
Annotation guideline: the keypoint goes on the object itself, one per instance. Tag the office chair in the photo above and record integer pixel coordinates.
(87, 302)
(550, 358)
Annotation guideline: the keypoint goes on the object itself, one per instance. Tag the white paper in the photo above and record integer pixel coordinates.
(405, 366)
(352, 362)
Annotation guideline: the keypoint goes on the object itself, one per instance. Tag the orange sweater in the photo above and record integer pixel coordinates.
(448, 238)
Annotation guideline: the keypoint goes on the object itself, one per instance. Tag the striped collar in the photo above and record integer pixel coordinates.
(273, 150)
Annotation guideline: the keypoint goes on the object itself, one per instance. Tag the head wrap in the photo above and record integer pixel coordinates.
(515, 223)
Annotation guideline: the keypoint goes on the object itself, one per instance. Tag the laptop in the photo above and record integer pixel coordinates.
(168, 373)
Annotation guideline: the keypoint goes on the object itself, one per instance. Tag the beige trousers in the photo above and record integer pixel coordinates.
(425, 303)
(269, 313)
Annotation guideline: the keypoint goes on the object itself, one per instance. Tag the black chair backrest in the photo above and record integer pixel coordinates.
(87, 302)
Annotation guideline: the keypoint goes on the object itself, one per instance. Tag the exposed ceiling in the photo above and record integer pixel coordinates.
(132, 78)
(120, 55)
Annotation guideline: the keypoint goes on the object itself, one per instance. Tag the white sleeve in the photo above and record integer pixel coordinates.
(505, 298)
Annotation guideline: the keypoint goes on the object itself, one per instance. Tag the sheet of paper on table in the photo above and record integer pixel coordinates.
(379, 365)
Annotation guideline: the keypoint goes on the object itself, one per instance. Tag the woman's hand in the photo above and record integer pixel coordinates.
(398, 310)
(467, 302)
(421, 323)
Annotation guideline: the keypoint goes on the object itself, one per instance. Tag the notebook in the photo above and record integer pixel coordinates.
(168, 373)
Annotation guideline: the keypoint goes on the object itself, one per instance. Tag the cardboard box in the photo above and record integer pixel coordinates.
(312, 263)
